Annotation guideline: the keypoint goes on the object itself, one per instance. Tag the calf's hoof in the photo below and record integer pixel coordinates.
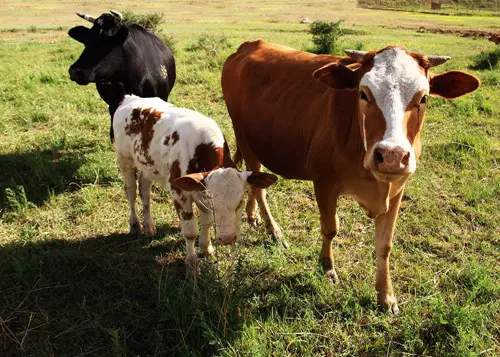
(208, 250)
(149, 230)
(135, 229)
(388, 303)
(191, 263)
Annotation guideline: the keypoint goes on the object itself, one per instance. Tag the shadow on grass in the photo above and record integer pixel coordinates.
(41, 172)
(108, 295)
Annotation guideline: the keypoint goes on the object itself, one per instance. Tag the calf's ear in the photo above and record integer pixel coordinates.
(453, 84)
(79, 33)
(261, 179)
(190, 182)
(337, 76)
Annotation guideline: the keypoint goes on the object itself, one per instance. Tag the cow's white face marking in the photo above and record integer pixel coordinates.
(393, 81)
(225, 190)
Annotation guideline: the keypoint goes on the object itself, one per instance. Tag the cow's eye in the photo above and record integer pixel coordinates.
(424, 99)
(363, 96)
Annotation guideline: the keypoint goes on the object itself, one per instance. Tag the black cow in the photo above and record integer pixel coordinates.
(122, 59)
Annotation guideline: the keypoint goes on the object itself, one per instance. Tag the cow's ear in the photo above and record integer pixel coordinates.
(453, 84)
(337, 76)
(191, 182)
(260, 179)
(79, 33)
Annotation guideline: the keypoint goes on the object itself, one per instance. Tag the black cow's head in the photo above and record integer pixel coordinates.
(101, 59)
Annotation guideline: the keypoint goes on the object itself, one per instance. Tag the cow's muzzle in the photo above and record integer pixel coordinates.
(389, 163)
(80, 76)
(226, 239)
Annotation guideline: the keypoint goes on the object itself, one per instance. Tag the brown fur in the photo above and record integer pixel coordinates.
(142, 122)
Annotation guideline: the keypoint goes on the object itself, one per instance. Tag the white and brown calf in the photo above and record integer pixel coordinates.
(186, 152)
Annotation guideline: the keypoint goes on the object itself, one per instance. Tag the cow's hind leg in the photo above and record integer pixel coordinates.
(145, 192)
(129, 177)
(326, 198)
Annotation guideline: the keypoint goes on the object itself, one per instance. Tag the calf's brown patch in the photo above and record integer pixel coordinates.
(142, 122)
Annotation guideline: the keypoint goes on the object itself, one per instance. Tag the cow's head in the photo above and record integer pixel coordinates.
(393, 86)
(221, 193)
(98, 61)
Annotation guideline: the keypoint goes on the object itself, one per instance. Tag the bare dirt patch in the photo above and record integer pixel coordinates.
(493, 36)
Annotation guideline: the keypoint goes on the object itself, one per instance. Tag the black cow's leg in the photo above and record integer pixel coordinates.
(112, 110)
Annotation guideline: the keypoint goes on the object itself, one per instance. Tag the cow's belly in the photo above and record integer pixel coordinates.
(282, 159)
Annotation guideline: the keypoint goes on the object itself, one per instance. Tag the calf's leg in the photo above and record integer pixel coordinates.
(131, 193)
(145, 192)
(384, 230)
(205, 242)
(326, 198)
(189, 224)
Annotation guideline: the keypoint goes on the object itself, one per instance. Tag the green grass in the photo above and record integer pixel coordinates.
(73, 283)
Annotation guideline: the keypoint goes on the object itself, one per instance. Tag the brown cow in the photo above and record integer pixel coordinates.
(350, 124)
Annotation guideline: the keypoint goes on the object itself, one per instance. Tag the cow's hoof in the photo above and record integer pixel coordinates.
(332, 276)
(389, 303)
(135, 229)
(254, 221)
(191, 263)
(207, 251)
(274, 231)
(149, 231)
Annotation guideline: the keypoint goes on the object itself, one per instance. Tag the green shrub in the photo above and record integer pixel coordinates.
(148, 21)
(325, 35)
(486, 60)
(151, 22)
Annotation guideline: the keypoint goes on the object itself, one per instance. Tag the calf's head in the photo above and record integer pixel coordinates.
(393, 86)
(221, 193)
(102, 56)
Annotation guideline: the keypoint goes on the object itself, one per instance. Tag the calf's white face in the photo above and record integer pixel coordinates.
(221, 194)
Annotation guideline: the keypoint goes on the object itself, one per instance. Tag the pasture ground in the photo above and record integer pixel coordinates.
(73, 283)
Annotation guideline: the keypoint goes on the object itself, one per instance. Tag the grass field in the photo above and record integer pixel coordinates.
(73, 283)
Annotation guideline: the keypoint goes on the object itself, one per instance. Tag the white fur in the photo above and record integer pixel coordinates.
(393, 81)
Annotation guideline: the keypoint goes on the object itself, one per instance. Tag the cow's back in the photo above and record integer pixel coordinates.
(277, 107)
(150, 62)
(162, 140)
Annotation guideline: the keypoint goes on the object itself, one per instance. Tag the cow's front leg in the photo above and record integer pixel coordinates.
(251, 209)
(189, 226)
(384, 230)
(326, 198)
(145, 192)
(205, 242)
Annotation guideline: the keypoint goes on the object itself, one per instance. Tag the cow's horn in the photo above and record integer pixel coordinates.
(86, 17)
(117, 14)
(355, 54)
(437, 60)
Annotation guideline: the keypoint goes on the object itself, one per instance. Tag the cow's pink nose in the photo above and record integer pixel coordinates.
(391, 160)
(229, 239)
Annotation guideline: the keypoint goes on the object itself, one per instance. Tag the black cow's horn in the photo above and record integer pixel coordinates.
(437, 60)
(86, 17)
(355, 54)
(117, 14)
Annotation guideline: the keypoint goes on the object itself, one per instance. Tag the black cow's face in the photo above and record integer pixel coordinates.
(101, 59)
